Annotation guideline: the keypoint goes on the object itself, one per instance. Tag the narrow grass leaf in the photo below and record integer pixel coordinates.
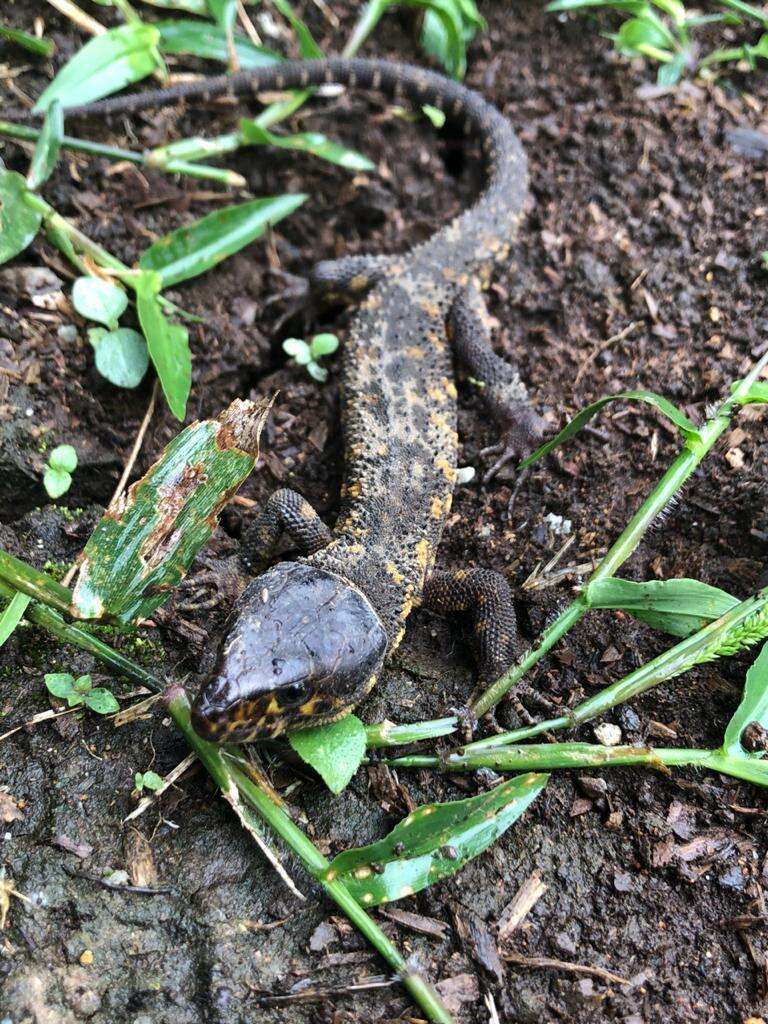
(141, 548)
(434, 841)
(307, 45)
(688, 429)
(753, 706)
(679, 607)
(48, 146)
(168, 343)
(40, 47)
(19, 223)
(757, 393)
(193, 249)
(334, 751)
(201, 39)
(106, 64)
(99, 300)
(631, 6)
(13, 615)
(307, 142)
(122, 357)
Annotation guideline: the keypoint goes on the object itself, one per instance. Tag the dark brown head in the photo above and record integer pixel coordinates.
(304, 647)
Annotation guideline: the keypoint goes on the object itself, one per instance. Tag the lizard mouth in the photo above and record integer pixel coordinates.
(304, 648)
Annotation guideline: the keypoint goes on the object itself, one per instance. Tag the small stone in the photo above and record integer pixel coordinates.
(67, 333)
(608, 734)
(86, 957)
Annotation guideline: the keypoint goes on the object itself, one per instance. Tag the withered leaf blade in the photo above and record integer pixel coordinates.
(142, 547)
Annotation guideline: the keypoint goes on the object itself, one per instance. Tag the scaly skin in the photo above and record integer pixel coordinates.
(399, 399)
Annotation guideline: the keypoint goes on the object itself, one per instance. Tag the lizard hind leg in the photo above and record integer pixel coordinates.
(503, 391)
(284, 512)
(347, 280)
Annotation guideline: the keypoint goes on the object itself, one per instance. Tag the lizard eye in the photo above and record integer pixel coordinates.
(294, 694)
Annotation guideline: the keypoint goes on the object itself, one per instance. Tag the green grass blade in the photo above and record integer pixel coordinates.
(13, 615)
(679, 607)
(40, 47)
(193, 249)
(688, 429)
(307, 142)
(201, 39)
(753, 706)
(167, 343)
(106, 64)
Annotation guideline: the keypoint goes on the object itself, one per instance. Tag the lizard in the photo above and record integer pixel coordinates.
(307, 638)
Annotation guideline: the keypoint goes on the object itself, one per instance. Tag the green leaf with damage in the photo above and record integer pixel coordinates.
(141, 549)
(679, 607)
(19, 223)
(753, 706)
(434, 841)
(334, 751)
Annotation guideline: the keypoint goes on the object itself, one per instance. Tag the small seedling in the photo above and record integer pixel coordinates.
(62, 463)
(81, 691)
(146, 780)
(304, 354)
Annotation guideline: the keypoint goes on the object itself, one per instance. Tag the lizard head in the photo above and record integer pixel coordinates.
(304, 647)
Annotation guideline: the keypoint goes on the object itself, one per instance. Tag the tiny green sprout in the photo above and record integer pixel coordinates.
(308, 355)
(62, 463)
(146, 780)
(81, 692)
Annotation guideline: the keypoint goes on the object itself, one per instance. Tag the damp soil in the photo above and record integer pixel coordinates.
(637, 267)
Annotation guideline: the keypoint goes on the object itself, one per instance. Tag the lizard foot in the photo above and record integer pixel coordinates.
(217, 586)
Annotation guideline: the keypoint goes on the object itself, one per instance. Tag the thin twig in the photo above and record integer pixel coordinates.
(603, 345)
(248, 27)
(73, 12)
(547, 962)
(170, 778)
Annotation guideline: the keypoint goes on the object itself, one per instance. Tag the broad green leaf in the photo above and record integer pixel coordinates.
(192, 250)
(223, 12)
(122, 357)
(83, 684)
(60, 684)
(168, 343)
(436, 116)
(753, 707)
(679, 607)
(48, 146)
(102, 701)
(13, 615)
(150, 780)
(307, 45)
(99, 300)
(639, 35)
(201, 39)
(40, 47)
(56, 482)
(19, 223)
(688, 429)
(671, 72)
(298, 349)
(756, 395)
(323, 345)
(307, 142)
(64, 458)
(437, 41)
(141, 549)
(434, 841)
(106, 64)
(334, 751)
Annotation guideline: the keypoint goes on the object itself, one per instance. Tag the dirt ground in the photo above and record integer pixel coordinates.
(637, 267)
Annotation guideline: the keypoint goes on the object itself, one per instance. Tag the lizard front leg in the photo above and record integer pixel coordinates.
(347, 280)
(284, 512)
(503, 391)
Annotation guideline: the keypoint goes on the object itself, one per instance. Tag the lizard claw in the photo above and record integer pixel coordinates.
(523, 430)
(217, 586)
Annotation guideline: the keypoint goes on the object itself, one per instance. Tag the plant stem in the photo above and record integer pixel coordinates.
(674, 478)
(538, 756)
(33, 582)
(225, 776)
(388, 734)
(193, 170)
(670, 663)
